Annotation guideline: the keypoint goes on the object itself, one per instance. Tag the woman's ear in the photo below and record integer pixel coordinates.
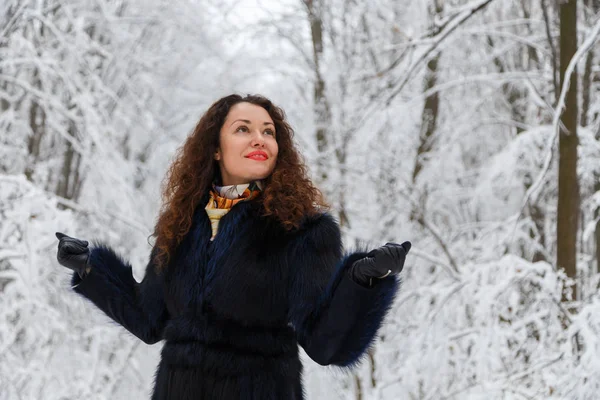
(217, 155)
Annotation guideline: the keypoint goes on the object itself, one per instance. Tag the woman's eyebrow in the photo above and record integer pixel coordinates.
(249, 122)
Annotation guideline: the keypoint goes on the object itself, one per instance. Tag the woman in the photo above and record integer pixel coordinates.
(246, 265)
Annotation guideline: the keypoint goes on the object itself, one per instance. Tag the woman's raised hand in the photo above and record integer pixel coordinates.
(380, 263)
(73, 253)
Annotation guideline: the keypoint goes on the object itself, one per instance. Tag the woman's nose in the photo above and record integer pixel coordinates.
(257, 138)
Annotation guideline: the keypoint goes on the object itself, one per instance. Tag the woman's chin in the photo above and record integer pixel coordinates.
(259, 175)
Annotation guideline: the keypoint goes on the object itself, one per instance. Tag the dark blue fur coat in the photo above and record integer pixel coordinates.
(233, 311)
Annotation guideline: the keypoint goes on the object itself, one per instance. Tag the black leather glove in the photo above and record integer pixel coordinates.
(379, 263)
(73, 254)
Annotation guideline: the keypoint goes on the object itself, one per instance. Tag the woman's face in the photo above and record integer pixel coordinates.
(248, 149)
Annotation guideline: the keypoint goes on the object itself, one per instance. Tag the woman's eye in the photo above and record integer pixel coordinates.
(244, 128)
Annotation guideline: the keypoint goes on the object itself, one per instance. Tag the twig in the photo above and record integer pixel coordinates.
(450, 27)
(437, 261)
(551, 43)
(78, 207)
(438, 237)
(9, 24)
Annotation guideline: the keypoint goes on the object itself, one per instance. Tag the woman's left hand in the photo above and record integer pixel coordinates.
(379, 263)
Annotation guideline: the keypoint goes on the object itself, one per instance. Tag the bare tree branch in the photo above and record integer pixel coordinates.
(449, 27)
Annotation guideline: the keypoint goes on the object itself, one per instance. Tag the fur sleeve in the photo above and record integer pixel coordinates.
(138, 307)
(336, 319)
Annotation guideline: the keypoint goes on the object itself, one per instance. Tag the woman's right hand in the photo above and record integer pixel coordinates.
(73, 253)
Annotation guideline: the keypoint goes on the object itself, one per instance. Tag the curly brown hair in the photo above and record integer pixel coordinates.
(288, 195)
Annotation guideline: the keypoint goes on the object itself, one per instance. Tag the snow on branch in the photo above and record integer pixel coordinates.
(449, 26)
(532, 192)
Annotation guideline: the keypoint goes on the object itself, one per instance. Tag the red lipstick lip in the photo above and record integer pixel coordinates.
(257, 153)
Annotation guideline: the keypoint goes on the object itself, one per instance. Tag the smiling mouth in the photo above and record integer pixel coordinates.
(257, 157)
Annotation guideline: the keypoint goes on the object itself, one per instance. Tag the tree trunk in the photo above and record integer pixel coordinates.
(597, 218)
(37, 126)
(546, 11)
(586, 87)
(568, 186)
(593, 7)
(359, 391)
(321, 106)
(3, 43)
(69, 180)
(428, 117)
(431, 106)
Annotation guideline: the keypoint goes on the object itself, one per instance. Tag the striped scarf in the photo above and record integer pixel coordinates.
(222, 198)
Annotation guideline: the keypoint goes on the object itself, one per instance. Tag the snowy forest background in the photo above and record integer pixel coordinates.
(451, 124)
